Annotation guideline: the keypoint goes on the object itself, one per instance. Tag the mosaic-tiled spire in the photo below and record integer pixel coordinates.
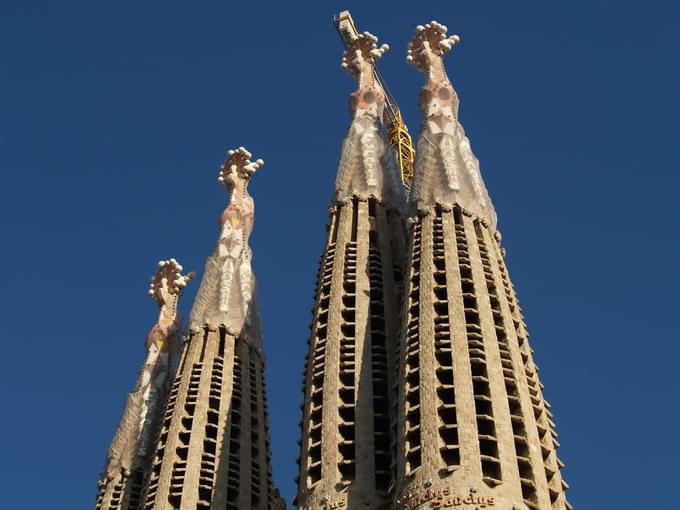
(367, 165)
(213, 446)
(473, 429)
(127, 462)
(345, 453)
(446, 171)
(225, 296)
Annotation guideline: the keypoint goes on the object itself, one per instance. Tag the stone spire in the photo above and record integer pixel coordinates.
(345, 447)
(127, 461)
(473, 428)
(367, 165)
(213, 445)
(225, 296)
(446, 171)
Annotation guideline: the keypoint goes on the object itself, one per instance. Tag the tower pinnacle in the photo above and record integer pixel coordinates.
(361, 56)
(346, 441)
(128, 459)
(367, 168)
(472, 425)
(213, 443)
(446, 171)
(165, 287)
(226, 292)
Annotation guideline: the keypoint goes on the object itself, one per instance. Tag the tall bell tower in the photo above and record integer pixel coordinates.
(346, 451)
(213, 445)
(129, 457)
(473, 428)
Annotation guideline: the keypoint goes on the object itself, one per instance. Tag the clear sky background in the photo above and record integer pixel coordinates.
(114, 119)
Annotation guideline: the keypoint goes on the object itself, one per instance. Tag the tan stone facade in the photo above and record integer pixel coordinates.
(346, 450)
(471, 416)
(210, 448)
(125, 492)
(346, 456)
(470, 428)
(213, 448)
(420, 390)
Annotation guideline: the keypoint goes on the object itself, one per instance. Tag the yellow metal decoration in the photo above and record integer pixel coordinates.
(400, 140)
(398, 136)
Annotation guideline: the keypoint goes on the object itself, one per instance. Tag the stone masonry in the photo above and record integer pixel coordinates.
(419, 387)
(473, 429)
(346, 445)
(213, 447)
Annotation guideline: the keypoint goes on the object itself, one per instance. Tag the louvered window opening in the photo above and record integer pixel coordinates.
(541, 408)
(411, 357)
(379, 367)
(486, 427)
(449, 446)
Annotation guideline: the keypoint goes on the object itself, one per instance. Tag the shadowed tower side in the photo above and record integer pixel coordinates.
(345, 448)
(128, 459)
(473, 427)
(213, 447)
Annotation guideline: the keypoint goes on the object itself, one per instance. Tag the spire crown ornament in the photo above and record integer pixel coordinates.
(168, 281)
(165, 288)
(429, 45)
(362, 54)
(225, 297)
(446, 171)
(238, 165)
(359, 60)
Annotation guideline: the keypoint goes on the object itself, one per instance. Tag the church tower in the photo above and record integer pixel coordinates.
(213, 444)
(346, 452)
(473, 428)
(128, 459)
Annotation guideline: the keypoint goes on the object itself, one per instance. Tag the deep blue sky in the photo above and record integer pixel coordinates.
(115, 116)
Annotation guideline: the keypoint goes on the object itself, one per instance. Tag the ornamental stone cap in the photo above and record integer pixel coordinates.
(363, 50)
(168, 278)
(226, 296)
(430, 40)
(446, 171)
(237, 165)
(367, 166)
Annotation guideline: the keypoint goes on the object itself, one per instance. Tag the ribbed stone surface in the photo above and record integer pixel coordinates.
(346, 453)
(213, 447)
(472, 425)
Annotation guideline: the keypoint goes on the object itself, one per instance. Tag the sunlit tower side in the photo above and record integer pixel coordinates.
(473, 427)
(345, 448)
(213, 446)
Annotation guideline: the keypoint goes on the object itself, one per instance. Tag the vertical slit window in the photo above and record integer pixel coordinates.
(545, 426)
(378, 335)
(486, 427)
(347, 361)
(411, 358)
(235, 426)
(313, 381)
(524, 466)
(449, 447)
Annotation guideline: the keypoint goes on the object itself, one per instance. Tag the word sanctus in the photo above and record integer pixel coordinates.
(329, 504)
(443, 497)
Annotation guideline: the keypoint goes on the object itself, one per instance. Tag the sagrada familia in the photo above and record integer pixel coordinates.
(420, 390)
